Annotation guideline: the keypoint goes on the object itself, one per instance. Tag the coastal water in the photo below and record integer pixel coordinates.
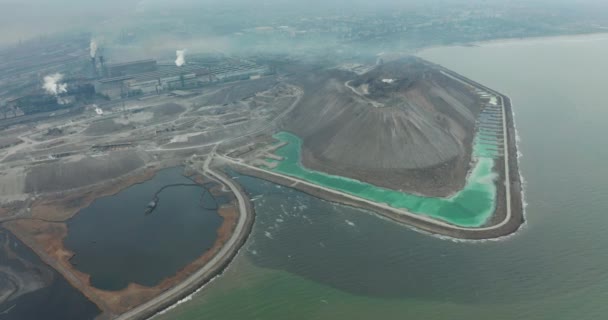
(117, 240)
(470, 207)
(309, 259)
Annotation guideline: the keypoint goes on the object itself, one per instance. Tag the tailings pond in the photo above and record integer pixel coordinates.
(118, 239)
(470, 207)
(31, 290)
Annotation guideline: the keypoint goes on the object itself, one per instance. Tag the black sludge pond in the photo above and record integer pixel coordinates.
(31, 290)
(118, 240)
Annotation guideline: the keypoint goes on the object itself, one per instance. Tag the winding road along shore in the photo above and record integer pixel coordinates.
(215, 266)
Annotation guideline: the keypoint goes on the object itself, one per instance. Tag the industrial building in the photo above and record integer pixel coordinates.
(111, 88)
(127, 68)
(128, 82)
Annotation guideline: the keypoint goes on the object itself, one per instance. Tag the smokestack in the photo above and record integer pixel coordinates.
(181, 57)
(93, 48)
(94, 66)
(101, 65)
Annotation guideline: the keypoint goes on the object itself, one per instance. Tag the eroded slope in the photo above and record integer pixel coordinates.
(403, 125)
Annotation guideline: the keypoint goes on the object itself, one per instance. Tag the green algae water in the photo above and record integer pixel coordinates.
(470, 207)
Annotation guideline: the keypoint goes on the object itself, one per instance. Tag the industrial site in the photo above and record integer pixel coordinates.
(88, 140)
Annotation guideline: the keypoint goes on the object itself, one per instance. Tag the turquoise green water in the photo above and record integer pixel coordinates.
(470, 207)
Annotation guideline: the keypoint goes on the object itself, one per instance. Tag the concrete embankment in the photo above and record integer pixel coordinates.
(214, 268)
(516, 218)
(507, 218)
(390, 213)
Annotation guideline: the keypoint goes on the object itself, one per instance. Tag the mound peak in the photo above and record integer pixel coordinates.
(403, 125)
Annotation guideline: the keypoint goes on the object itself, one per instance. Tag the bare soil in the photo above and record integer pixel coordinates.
(413, 134)
(60, 208)
(65, 175)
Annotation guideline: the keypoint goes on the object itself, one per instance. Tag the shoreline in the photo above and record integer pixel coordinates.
(523, 40)
(212, 269)
(506, 219)
(515, 177)
(48, 245)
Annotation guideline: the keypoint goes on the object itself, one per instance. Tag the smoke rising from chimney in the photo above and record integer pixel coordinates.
(93, 48)
(53, 86)
(181, 57)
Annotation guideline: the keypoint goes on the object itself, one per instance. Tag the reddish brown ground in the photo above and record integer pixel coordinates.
(198, 179)
(9, 210)
(46, 239)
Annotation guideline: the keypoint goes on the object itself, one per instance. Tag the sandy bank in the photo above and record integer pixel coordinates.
(46, 237)
(212, 268)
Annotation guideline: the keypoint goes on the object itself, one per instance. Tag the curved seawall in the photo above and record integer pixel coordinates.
(214, 267)
(490, 205)
(470, 207)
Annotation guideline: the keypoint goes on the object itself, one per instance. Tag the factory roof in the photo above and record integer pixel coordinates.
(114, 79)
(169, 72)
(172, 71)
(120, 64)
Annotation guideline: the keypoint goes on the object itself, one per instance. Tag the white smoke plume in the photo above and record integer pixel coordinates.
(62, 101)
(93, 48)
(181, 57)
(53, 86)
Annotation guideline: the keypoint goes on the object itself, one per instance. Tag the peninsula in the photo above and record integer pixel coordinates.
(405, 139)
(410, 140)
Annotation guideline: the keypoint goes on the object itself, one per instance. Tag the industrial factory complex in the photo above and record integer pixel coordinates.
(135, 78)
(88, 77)
(78, 124)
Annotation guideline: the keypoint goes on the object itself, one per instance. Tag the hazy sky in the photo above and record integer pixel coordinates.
(22, 19)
